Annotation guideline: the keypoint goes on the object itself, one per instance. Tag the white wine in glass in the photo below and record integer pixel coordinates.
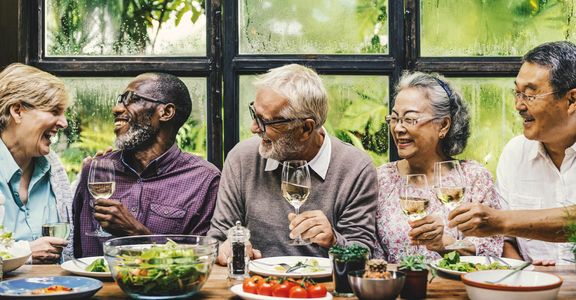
(414, 196)
(60, 229)
(296, 188)
(450, 187)
(101, 185)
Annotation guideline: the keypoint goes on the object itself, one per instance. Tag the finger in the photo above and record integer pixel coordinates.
(420, 222)
(87, 160)
(548, 263)
(108, 150)
(107, 202)
(291, 216)
(537, 262)
(256, 254)
(313, 232)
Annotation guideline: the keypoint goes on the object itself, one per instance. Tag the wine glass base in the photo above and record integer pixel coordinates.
(459, 244)
(101, 234)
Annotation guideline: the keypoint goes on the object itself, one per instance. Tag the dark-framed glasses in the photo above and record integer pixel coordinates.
(407, 121)
(529, 98)
(261, 123)
(130, 97)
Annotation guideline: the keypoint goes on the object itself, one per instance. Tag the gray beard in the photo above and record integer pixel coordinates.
(138, 136)
(282, 149)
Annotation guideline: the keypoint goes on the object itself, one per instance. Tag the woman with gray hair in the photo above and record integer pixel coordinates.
(429, 123)
(32, 180)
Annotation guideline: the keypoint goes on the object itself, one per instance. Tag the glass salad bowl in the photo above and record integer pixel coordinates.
(161, 266)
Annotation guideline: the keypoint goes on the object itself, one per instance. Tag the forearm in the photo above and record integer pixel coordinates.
(542, 224)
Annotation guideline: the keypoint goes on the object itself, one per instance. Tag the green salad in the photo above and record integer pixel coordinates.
(98, 265)
(451, 261)
(162, 270)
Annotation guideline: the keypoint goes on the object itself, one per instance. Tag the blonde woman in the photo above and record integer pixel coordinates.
(32, 180)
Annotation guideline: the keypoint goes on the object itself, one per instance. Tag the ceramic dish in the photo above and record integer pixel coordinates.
(21, 288)
(524, 285)
(476, 260)
(269, 266)
(78, 267)
(237, 289)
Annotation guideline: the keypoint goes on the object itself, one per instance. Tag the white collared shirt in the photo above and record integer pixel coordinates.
(319, 163)
(528, 179)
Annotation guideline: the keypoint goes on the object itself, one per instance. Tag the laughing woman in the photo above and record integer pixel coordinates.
(32, 180)
(429, 123)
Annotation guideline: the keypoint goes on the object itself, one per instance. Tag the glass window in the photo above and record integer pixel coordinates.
(357, 108)
(309, 27)
(96, 27)
(494, 119)
(91, 123)
(493, 28)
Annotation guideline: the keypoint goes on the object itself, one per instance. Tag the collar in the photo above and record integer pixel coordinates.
(540, 150)
(9, 165)
(158, 165)
(319, 163)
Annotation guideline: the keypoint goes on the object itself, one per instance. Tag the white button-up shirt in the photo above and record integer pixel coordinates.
(528, 179)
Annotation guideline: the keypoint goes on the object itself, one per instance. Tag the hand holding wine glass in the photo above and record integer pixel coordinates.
(296, 188)
(450, 185)
(101, 185)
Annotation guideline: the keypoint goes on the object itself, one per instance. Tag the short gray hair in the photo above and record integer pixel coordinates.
(445, 101)
(302, 87)
(560, 58)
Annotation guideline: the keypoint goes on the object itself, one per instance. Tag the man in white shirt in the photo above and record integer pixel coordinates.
(536, 173)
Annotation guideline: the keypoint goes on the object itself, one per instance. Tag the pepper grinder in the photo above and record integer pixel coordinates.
(239, 237)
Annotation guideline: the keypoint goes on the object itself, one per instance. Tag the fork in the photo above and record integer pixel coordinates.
(516, 270)
(283, 265)
(501, 261)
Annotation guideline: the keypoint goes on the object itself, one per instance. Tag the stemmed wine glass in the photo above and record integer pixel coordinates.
(414, 196)
(450, 185)
(101, 184)
(296, 188)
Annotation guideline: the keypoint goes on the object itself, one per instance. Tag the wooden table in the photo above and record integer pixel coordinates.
(217, 286)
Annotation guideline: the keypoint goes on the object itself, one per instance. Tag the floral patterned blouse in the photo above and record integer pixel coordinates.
(392, 224)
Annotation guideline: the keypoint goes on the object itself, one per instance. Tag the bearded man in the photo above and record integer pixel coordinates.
(159, 188)
(288, 113)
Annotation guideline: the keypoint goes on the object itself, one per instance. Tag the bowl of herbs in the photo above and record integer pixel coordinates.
(161, 266)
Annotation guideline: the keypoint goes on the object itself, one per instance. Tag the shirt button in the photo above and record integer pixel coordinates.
(165, 212)
(133, 209)
(139, 180)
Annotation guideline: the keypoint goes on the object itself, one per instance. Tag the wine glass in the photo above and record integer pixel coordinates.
(60, 229)
(414, 196)
(296, 188)
(450, 185)
(101, 184)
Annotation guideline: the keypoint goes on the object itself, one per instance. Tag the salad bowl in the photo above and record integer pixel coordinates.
(161, 266)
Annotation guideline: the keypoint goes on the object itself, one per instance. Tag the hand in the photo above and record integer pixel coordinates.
(98, 153)
(475, 219)
(225, 251)
(312, 225)
(428, 231)
(47, 249)
(543, 262)
(116, 219)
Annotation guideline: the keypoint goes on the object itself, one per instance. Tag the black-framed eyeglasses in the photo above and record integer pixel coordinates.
(130, 97)
(407, 121)
(261, 123)
(529, 98)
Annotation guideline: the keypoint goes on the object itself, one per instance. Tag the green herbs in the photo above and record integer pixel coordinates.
(451, 261)
(98, 265)
(351, 253)
(162, 270)
(413, 263)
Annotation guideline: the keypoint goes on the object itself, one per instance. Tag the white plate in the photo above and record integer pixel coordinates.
(475, 260)
(237, 289)
(19, 257)
(258, 266)
(79, 268)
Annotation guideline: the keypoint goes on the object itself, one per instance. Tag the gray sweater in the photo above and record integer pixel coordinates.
(252, 195)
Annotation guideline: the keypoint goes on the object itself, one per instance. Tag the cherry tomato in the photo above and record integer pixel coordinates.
(282, 289)
(266, 288)
(298, 292)
(255, 278)
(316, 291)
(250, 286)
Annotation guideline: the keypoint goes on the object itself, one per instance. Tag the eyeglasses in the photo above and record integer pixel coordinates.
(130, 97)
(529, 98)
(261, 123)
(406, 121)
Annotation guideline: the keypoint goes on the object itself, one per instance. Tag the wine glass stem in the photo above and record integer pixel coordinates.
(297, 210)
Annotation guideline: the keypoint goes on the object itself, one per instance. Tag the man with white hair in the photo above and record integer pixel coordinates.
(288, 113)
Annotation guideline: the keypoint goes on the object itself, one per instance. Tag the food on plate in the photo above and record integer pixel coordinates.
(284, 287)
(51, 290)
(98, 265)
(307, 266)
(165, 269)
(376, 269)
(451, 261)
(6, 242)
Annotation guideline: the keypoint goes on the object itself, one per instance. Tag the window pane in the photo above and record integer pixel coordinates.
(310, 27)
(145, 27)
(357, 107)
(494, 119)
(91, 124)
(493, 28)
